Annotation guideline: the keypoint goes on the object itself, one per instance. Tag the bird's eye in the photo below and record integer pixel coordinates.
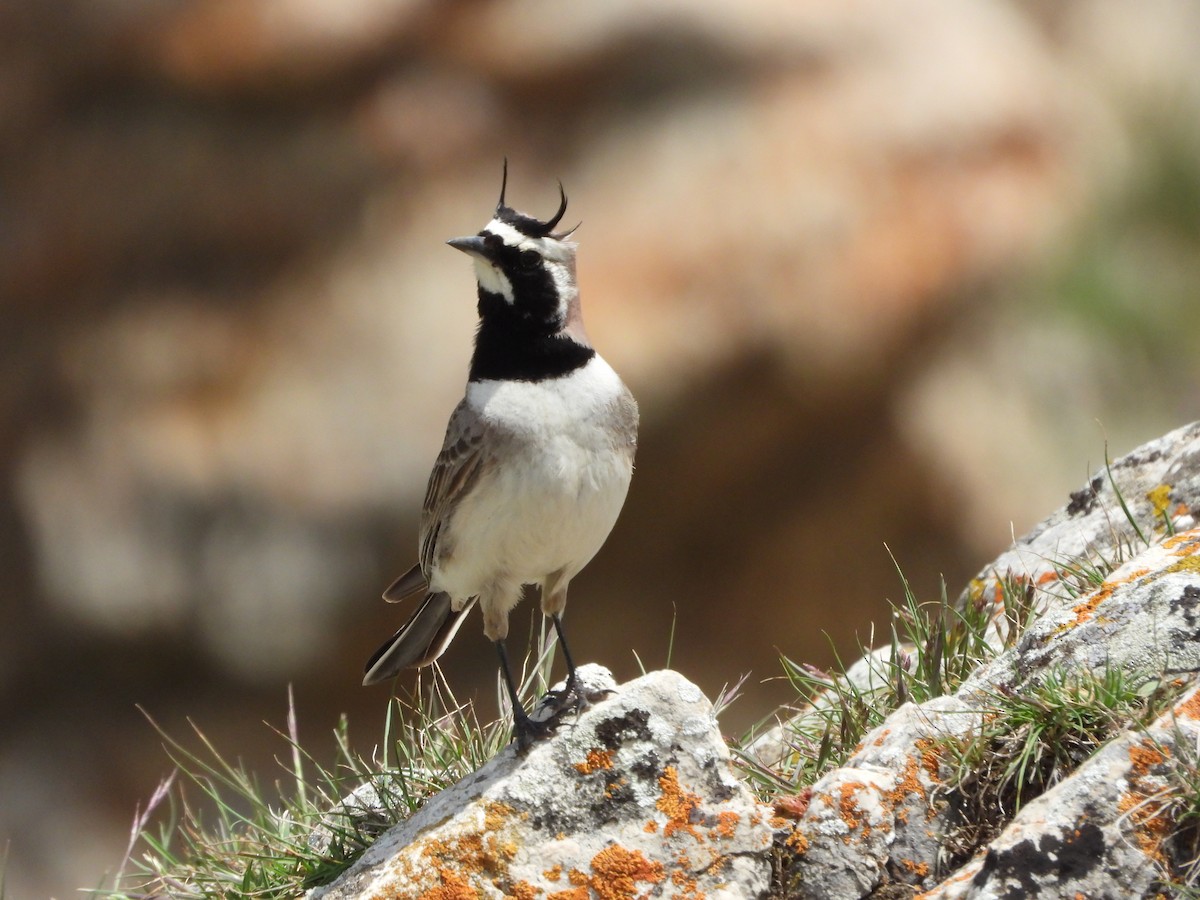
(528, 260)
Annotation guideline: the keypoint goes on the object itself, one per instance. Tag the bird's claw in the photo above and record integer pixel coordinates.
(566, 698)
(527, 730)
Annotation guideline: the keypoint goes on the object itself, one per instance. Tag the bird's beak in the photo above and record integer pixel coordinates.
(472, 245)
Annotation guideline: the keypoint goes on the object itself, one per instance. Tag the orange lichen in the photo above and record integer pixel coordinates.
(474, 852)
(1143, 804)
(920, 869)
(998, 592)
(907, 784)
(616, 872)
(685, 886)
(522, 890)
(1144, 756)
(727, 823)
(1187, 539)
(676, 804)
(596, 760)
(554, 873)
(577, 893)
(612, 787)
(849, 811)
(1189, 708)
(716, 862)
(650, 827)
(1084, 610)
(460, 856)
(495, 815)
(931, 758)
(1046, 578)
(453, 887)
(797, 841)
(1152, 826)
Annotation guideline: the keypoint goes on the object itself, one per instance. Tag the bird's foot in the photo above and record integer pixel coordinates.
(527, 730)
(588, 685)
(559, 700)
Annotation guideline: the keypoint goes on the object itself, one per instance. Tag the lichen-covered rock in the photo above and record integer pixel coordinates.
(878, 818)
(1104, 832)
(1157, 483)
(1141, 619)
(885, 815)
(634, 798)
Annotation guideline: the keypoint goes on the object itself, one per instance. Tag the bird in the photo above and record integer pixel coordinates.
(536, 462)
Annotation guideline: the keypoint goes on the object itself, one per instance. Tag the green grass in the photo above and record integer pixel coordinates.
(213, 829)
(1181, 805)
(1034, 737)
(932, 647)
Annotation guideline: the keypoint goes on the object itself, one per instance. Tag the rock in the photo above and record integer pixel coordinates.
(885, 815)
(634, 798)
(1159, 485)
(1104, 832)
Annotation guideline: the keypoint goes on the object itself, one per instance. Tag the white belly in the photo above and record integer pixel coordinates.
(551, 500)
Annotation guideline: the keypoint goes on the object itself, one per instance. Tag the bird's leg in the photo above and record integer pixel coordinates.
(563, 698)
(525, 730)
(572, 681)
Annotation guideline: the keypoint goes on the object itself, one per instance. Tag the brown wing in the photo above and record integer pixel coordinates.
(411, 582)
(458, 467)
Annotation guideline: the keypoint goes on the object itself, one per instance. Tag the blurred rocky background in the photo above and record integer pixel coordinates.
(883, 272)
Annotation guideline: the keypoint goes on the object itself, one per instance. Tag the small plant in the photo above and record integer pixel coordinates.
(245, 839)
(1180, 804)
(932, 648)
(1036, 736)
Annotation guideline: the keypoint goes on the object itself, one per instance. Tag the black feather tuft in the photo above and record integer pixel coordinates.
(528, 225)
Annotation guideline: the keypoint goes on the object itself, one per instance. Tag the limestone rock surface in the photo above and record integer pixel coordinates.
(636, 797)
(886, 816)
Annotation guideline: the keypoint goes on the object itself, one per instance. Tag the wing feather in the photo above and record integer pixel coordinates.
(458, 467)
(429, 630)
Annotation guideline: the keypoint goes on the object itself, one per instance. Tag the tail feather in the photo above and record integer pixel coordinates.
(411, 582)
(420, 640)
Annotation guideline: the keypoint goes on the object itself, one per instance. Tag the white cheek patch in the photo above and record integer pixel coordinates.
(564, 287)
(557, 256)
(492, 279)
